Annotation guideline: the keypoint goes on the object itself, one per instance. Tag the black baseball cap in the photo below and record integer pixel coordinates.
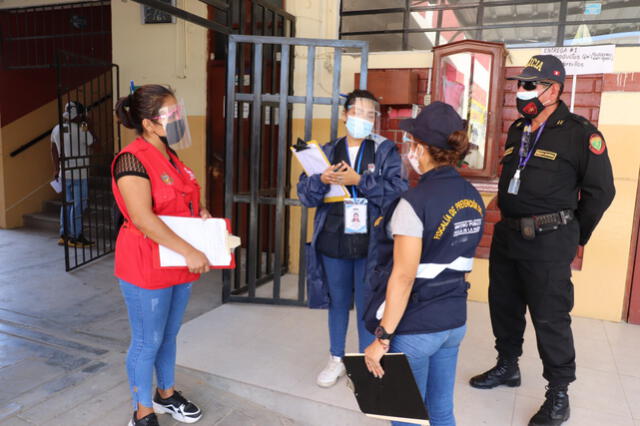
(542, 67)
(434, 124)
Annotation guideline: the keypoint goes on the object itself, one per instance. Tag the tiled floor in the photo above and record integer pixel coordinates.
(284, 348)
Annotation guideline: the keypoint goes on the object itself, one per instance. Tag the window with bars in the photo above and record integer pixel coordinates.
(392, 25)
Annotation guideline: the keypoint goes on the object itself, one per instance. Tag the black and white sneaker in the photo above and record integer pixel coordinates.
(178, 406)
(148, 420)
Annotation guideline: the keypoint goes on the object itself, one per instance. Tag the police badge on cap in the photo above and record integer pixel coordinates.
(542, 67)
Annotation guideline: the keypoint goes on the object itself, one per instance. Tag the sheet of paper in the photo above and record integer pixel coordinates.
(56, 184)
(313, 162)
(209, 236)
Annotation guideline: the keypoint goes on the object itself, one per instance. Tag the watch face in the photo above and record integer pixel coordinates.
(379, 332)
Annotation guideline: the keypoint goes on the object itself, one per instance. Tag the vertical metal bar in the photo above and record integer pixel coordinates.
(77, 175)
(239, 163)
(308, 127)
(308, 111)
(102, 159)
(87, 169)
(364, 66)
(273, 152)
(406, 18)
(264, 148)
(254, 172)
(228, 163)
(479, 20)
(335, 92)
(35, 43)
(562, 25)
(26, 33)
(63, 212)
(289, 125)
(280, 181)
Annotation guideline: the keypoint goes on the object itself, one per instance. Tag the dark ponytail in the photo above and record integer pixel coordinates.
(145, 102)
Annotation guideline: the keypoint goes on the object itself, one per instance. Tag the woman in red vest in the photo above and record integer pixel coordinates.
(149, 180)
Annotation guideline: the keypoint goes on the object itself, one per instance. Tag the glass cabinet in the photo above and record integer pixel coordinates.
(469, 75)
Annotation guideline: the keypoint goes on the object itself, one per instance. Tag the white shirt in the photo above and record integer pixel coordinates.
(76, 144)
(353, 155)
(405, 221)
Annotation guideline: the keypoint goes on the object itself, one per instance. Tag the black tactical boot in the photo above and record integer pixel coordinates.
(506, 372)
(554, 410)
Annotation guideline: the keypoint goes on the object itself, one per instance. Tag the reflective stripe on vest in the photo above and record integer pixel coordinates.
(432, 270)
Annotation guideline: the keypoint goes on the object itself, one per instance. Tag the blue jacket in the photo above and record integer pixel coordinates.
(380, 188)
(452, 213)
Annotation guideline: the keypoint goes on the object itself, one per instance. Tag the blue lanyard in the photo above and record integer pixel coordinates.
(525, 159)
(358, 164)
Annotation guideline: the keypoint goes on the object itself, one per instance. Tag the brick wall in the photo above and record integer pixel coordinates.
(587, 104)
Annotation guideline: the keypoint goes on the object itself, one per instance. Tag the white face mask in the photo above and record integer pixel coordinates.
(414, 158)
(527, 96)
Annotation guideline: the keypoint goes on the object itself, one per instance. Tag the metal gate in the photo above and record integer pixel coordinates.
(89, 137)
(259, 202)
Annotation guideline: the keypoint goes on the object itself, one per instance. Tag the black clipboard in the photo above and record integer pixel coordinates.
(395, 397)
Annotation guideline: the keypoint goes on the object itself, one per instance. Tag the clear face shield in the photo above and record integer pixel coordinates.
(410, 153)
(173, 119)
(363, 118)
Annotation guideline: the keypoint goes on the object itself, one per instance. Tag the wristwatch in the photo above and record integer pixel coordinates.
(382, 334)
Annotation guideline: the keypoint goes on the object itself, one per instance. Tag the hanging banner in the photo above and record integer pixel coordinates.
(579, 60)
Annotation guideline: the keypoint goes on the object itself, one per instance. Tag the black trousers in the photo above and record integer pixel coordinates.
(545, 288)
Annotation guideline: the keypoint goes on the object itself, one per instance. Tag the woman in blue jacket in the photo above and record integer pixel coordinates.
(341, 248)
(426, 244)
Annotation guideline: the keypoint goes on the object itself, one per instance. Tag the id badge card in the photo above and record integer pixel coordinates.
(355, 216)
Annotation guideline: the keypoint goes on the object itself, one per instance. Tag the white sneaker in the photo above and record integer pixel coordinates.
(331, 373)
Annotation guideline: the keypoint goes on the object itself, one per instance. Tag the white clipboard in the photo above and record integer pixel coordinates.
(210, 236)
(313, 162)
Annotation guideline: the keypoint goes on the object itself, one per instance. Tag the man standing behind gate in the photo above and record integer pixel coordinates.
(77, 139)
(556, 184)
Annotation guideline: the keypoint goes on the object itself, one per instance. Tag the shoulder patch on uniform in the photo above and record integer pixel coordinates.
(559, 122)
(508, 151)
(378, 220)
(549, 155)
(596, 144)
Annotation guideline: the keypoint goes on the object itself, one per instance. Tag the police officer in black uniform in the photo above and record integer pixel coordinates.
(556, 184)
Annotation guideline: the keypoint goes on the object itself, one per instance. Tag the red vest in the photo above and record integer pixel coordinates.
(174, 193)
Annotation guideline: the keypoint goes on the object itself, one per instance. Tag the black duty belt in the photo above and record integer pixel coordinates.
(531, 225)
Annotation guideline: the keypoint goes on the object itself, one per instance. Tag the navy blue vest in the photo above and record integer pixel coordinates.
(452, 213)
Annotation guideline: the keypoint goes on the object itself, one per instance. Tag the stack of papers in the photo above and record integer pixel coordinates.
(313, 161)
(210, 236)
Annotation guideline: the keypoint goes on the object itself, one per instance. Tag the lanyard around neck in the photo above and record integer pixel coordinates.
(358, 163)
(524, 158)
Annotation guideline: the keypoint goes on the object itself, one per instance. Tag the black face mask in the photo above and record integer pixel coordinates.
(175, 131)
(531, 108)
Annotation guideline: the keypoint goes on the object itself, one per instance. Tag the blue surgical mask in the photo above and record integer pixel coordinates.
(359, 128)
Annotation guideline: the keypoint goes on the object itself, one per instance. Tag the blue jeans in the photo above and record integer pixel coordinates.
(345, 277)
(155, 317)
(433, 358)
(77, 199)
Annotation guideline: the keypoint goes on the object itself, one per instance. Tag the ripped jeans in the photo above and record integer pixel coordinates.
(155, 317)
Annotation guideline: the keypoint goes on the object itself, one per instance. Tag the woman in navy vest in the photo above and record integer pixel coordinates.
(341, 251)
(426, 244)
